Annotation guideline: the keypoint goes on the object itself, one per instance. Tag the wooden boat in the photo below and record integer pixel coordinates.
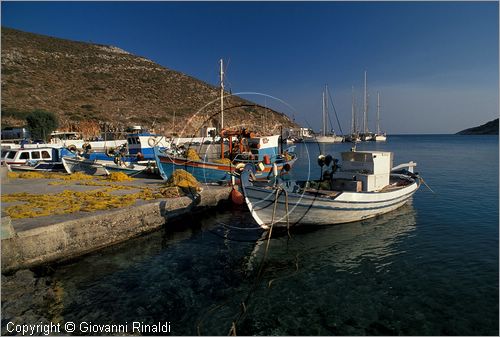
(105, 167)
(91, 167)
(261, 152)
(40, 166)
(362, 186)
(44, 159)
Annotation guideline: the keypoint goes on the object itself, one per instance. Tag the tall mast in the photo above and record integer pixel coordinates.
(323, 115)
(365, 110)
(353, 123)
(221, 94)
(326, 110)
(378, 113)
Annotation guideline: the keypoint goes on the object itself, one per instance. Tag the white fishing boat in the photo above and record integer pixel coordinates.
(44, 159)
(105, 167)
(91, 167)
(363, 185)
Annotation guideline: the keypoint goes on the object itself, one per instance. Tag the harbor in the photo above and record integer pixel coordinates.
(387, 274)
(249, 168)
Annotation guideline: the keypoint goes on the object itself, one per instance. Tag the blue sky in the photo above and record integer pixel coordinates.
(434, 63)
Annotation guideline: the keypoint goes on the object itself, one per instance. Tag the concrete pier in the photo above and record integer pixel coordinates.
(35, 241)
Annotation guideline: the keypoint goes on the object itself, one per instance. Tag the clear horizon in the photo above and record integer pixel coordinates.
(435, 64)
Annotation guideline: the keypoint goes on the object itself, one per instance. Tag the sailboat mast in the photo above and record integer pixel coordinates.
(365, 110)
(221, 94)
(326, 111)
(323, 119)
(378, 113)
(353, 123)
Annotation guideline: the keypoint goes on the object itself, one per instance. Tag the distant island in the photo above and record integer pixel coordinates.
(490, 128)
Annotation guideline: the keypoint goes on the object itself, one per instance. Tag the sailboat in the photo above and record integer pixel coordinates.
(379, 137)
(354, 136)
(366, 135)
(324, 137)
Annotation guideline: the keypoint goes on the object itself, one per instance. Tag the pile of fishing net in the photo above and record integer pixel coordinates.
(183, 180)
(191, 154)
(225, 161)
(119, 176)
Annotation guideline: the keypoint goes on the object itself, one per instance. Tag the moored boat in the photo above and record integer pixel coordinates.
(46, 159)
(379, 136)
(105, 167)
(91, 167)
(260, 151)
(362, 186)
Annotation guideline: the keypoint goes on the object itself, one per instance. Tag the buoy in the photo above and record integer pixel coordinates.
(267, 159)
(237, 197)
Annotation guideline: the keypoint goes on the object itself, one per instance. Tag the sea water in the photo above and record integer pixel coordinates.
(428, 268)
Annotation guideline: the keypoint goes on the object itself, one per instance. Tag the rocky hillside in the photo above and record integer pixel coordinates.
(490, 128)
(92, 87)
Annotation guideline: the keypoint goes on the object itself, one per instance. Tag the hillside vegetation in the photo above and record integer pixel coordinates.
(91, 87)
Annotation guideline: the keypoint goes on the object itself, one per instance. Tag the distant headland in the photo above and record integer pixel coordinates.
(490, 128)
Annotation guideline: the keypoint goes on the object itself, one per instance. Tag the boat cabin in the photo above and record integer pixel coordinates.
(143, 143)
(264, 146)
(22, 156)
(365, 171)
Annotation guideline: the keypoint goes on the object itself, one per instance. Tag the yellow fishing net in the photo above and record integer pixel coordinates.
(191, 154)
(182, 179)
(119, 176)
(225, 161)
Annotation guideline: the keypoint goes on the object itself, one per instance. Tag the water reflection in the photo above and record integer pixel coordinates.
(345, 245)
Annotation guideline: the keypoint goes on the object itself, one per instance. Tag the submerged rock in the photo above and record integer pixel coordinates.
(26, 299)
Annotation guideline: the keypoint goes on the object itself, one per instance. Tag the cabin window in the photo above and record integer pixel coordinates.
(138, 140)
(24, 155)
(35, 155)
(11, 154)
(129, 140)
(45, 155)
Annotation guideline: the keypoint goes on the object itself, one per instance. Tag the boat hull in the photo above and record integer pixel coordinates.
(40, 167)
(324, 139)
(73, 165)
(307, 209)
(205, 171)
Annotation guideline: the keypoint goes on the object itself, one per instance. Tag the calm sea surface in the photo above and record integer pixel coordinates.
(429, 268)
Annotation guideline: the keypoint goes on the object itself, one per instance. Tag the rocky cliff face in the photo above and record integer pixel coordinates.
(95, 86)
